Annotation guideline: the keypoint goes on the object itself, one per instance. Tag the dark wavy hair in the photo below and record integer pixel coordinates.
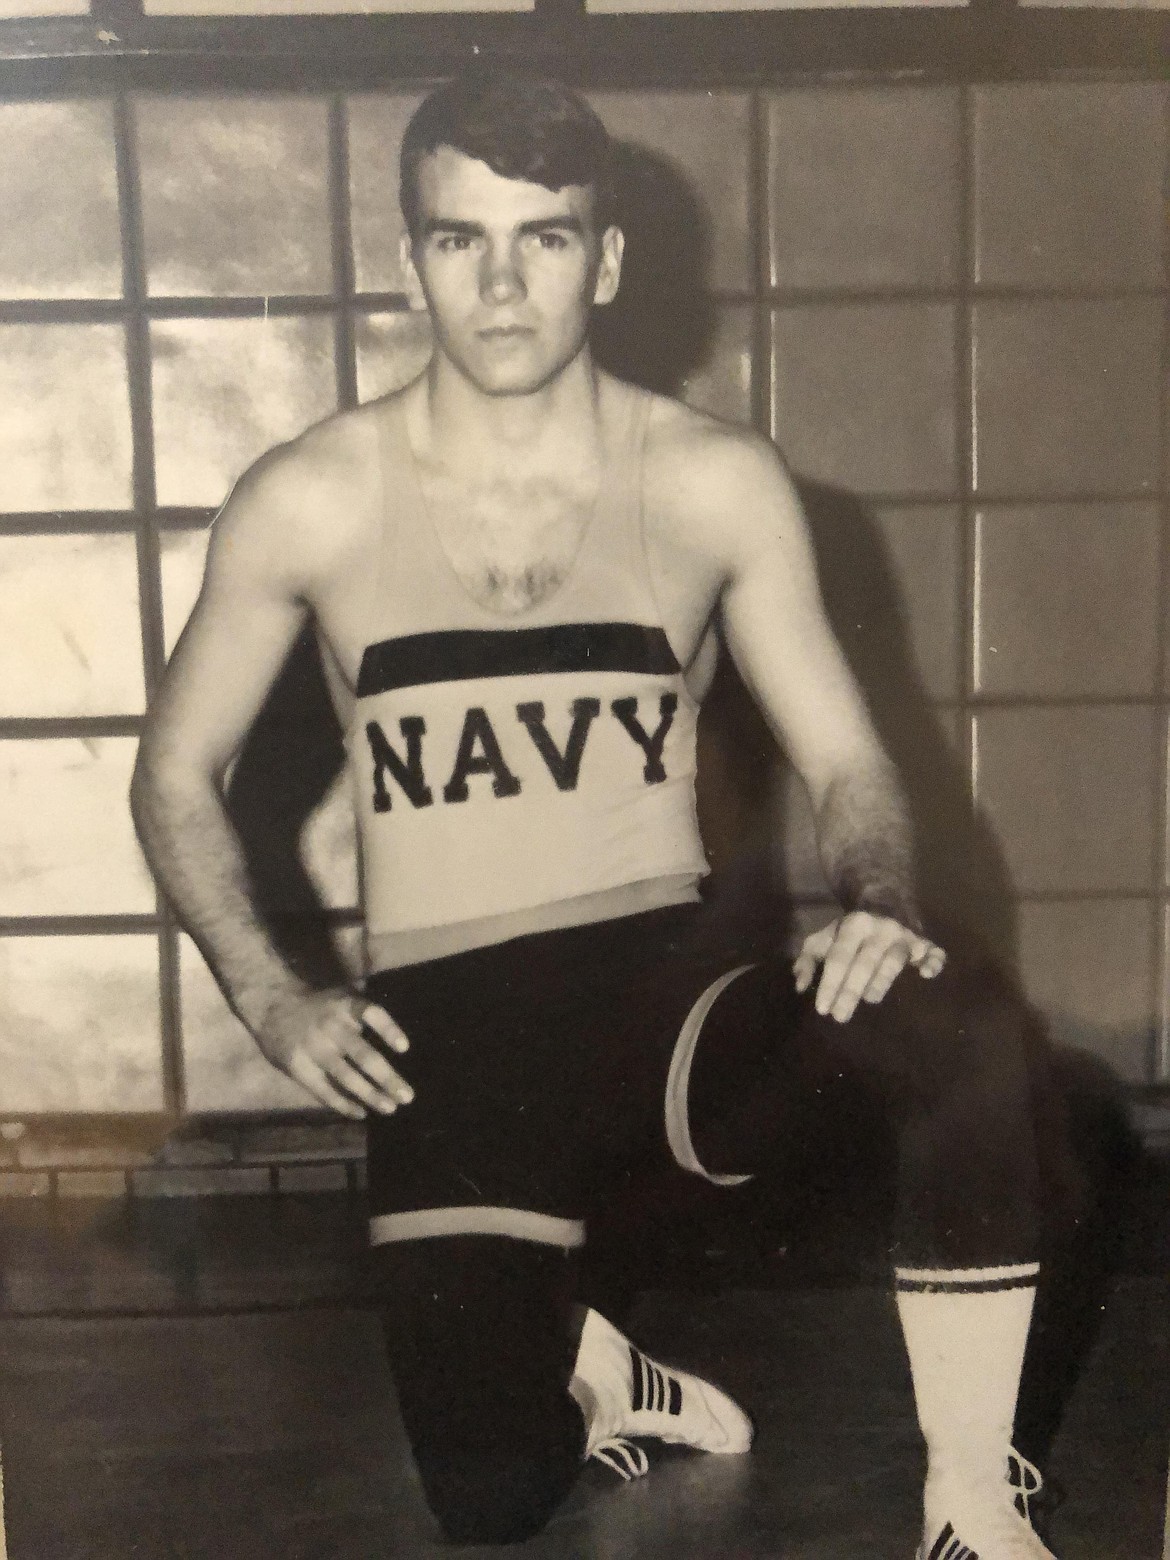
(522, 128)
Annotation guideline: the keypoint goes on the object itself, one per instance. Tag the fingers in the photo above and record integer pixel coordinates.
(852, 963)
(336, 1058)
(376, 1018)
(862, 954)
(814, 948)
(887, 972)
(361, 1069)
(928, 959)
(384, 1093)
(313, 1078)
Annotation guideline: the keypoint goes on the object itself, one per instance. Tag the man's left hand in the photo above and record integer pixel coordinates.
(862, 955)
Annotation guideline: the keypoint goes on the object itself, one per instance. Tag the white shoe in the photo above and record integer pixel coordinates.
(967, 1523)
(627, 1394)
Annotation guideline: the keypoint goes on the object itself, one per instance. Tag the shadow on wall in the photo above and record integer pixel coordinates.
(660, 327)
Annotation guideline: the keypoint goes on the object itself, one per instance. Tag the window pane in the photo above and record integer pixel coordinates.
(235, 195)
(1066, 600)
(227, 390)
(1067, 395)
(1068, 185)
(1087, 964)
(64, 417)
(223, 1065)
(864, 187)
(59, 194)
(864, 394)
(23, 8)
(182, 555)
(67, 845)
(70, 640)
(910, 610)
(392, 349)
(79, 1024)
(1071, 791)
(375, 135)
(687, 180)
(722, 384)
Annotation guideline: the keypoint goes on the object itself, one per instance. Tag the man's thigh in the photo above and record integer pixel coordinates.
(539, 1069)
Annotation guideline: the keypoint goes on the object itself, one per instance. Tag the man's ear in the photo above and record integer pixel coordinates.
(609, 271)
(414, 292)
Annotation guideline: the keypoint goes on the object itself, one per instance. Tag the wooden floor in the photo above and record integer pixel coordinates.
(173, 1397)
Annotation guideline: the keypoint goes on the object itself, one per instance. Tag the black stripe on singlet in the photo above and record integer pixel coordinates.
(463, 654)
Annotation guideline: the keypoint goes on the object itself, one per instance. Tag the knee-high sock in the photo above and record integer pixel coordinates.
(965, 1332)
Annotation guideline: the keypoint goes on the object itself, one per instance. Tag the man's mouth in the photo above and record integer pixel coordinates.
(504, 332)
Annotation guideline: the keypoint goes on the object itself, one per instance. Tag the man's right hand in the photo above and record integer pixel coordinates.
(317, 1038)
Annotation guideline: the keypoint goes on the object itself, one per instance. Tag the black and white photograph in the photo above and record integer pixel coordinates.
(584, 780)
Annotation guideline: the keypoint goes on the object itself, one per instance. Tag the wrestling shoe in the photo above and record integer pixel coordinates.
(624, 1394)
(987, 1524)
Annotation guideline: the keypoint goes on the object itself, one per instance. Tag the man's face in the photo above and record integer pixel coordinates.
(508, 270)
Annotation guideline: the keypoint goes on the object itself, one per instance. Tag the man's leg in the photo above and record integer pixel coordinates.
(949, 1060)
(480, 1343)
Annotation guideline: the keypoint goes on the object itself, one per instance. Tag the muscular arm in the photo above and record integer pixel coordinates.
(775, 626)
(243, 625)
(252, 605)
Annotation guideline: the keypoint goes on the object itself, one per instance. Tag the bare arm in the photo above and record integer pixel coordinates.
(249, 612)
(776, 629)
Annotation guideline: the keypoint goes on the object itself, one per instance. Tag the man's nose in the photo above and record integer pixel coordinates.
(501, 280)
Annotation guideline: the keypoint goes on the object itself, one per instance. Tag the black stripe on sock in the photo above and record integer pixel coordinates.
(970, 1286)
(465, 654)
(675, 1396)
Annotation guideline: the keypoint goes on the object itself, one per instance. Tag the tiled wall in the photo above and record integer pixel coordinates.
(948, 306)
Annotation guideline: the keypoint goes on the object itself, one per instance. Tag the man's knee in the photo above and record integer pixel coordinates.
(493, 1498)
(968, 1031)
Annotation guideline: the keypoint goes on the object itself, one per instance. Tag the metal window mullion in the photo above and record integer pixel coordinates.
(149, 572)
(341, 234)
(1160, 1060)
(965, 433)
(760, 227)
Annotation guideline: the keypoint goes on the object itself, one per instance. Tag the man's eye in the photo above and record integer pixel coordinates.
(450, 243)
(551, 240)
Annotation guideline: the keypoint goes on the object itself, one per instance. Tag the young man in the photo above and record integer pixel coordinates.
(517, 570)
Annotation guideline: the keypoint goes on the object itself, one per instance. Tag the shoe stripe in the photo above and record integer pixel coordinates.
(652, 1390)
(636, 1393)
(942, 1544)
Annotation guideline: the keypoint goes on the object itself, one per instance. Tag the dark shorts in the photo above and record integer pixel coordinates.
(546, 1068)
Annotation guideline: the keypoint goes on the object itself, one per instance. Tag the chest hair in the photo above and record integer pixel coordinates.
(511, 542)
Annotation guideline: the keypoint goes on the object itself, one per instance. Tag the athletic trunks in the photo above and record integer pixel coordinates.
(548, 1068)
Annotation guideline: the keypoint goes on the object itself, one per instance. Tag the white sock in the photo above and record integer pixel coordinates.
(965, 1331)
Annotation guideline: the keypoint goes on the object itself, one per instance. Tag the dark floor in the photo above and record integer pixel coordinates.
(273, 1436)
(197, 1379)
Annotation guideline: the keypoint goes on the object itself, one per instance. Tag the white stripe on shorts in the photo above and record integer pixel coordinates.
(517, 1223)
(678, 1126)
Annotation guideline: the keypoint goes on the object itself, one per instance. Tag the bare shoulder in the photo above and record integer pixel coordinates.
(300, 510)
(716, 487)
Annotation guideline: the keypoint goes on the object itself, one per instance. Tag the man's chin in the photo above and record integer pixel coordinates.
(505, 385)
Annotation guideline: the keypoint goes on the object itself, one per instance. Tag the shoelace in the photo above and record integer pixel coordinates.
(626, 1459)
(1026, 1482)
